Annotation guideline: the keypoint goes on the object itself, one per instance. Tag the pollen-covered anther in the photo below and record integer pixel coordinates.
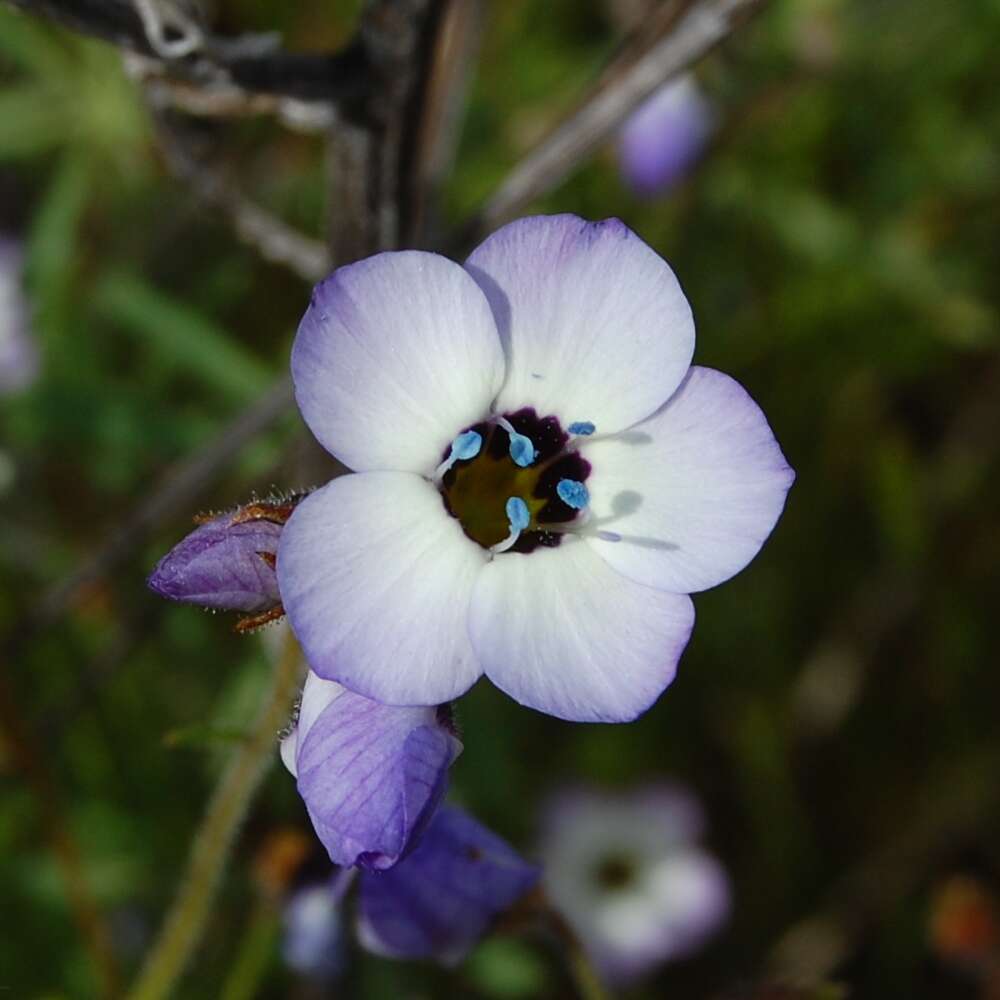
(573, 493)
(581, 428)
(466, 445)
(518, 517)
(522, 449)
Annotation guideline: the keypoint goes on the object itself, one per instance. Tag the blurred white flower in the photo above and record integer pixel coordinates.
(626, 873)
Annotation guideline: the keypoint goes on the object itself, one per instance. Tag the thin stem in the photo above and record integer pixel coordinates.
(183, 926)
(578, 964)
(254, 953)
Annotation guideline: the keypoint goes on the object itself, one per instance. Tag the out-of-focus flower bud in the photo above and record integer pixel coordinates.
(440, 900)
(663, 139)
(18, 350)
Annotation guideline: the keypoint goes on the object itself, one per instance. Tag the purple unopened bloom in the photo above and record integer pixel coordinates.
(542, 477)
(313, 942)
(228, 563)
(440, 900)
(665, 136)
(627, 874)
(371, 775)
(18, 351)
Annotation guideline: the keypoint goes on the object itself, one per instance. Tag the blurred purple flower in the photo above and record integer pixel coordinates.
(313, 943)
(439, 901)
(664, 137)
(371, 775)
(18, 350)
(626, 873)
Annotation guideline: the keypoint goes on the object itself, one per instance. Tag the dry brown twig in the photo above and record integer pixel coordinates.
(174, 37)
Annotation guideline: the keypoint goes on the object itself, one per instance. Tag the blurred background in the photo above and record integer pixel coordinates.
(836, 711)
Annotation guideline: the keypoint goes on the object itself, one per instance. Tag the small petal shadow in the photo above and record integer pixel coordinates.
(628, 502)
(499, 303)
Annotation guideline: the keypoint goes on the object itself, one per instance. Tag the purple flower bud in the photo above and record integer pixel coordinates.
(18, 351)
(313, 942)
(371, 775)
(664, 137)
(440, 900)
(628, 875)
(226, 564)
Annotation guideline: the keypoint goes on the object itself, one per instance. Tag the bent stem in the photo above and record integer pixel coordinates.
(182, 928)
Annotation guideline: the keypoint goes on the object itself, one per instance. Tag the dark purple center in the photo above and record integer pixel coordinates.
(476, 490)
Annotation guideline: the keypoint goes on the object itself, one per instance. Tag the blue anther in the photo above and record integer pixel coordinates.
(572, 493)
(466, 445)
(518, 514)
(521, 450)
(584, 428)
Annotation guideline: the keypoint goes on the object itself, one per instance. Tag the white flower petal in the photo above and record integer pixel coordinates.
(594, 323)
(694, 491)
(376, 579)
(316, 695)
(562, 632)
(395, 355)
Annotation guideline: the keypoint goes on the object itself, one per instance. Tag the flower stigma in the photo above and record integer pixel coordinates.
(514, 482)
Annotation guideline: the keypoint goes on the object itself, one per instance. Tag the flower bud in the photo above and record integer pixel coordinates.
(371, 775)
(226, 564)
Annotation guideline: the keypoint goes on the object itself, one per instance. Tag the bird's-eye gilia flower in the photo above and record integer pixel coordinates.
(541, 476)
(664, 138)
(438, 902)
(228, 563)
(371, 775)
(18, 350)
(626, 872)
(313, 942)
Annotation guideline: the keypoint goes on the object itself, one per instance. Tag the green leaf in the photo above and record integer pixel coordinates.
(30, 45)
(179, 335)
(32, 122)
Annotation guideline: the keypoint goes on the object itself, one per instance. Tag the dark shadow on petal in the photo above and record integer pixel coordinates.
(499, 303)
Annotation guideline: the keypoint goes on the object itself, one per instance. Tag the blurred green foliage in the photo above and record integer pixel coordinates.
(837, 707)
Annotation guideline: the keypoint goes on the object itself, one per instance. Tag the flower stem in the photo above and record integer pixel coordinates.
(585, 978)
(182, 928)
(254, 955)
